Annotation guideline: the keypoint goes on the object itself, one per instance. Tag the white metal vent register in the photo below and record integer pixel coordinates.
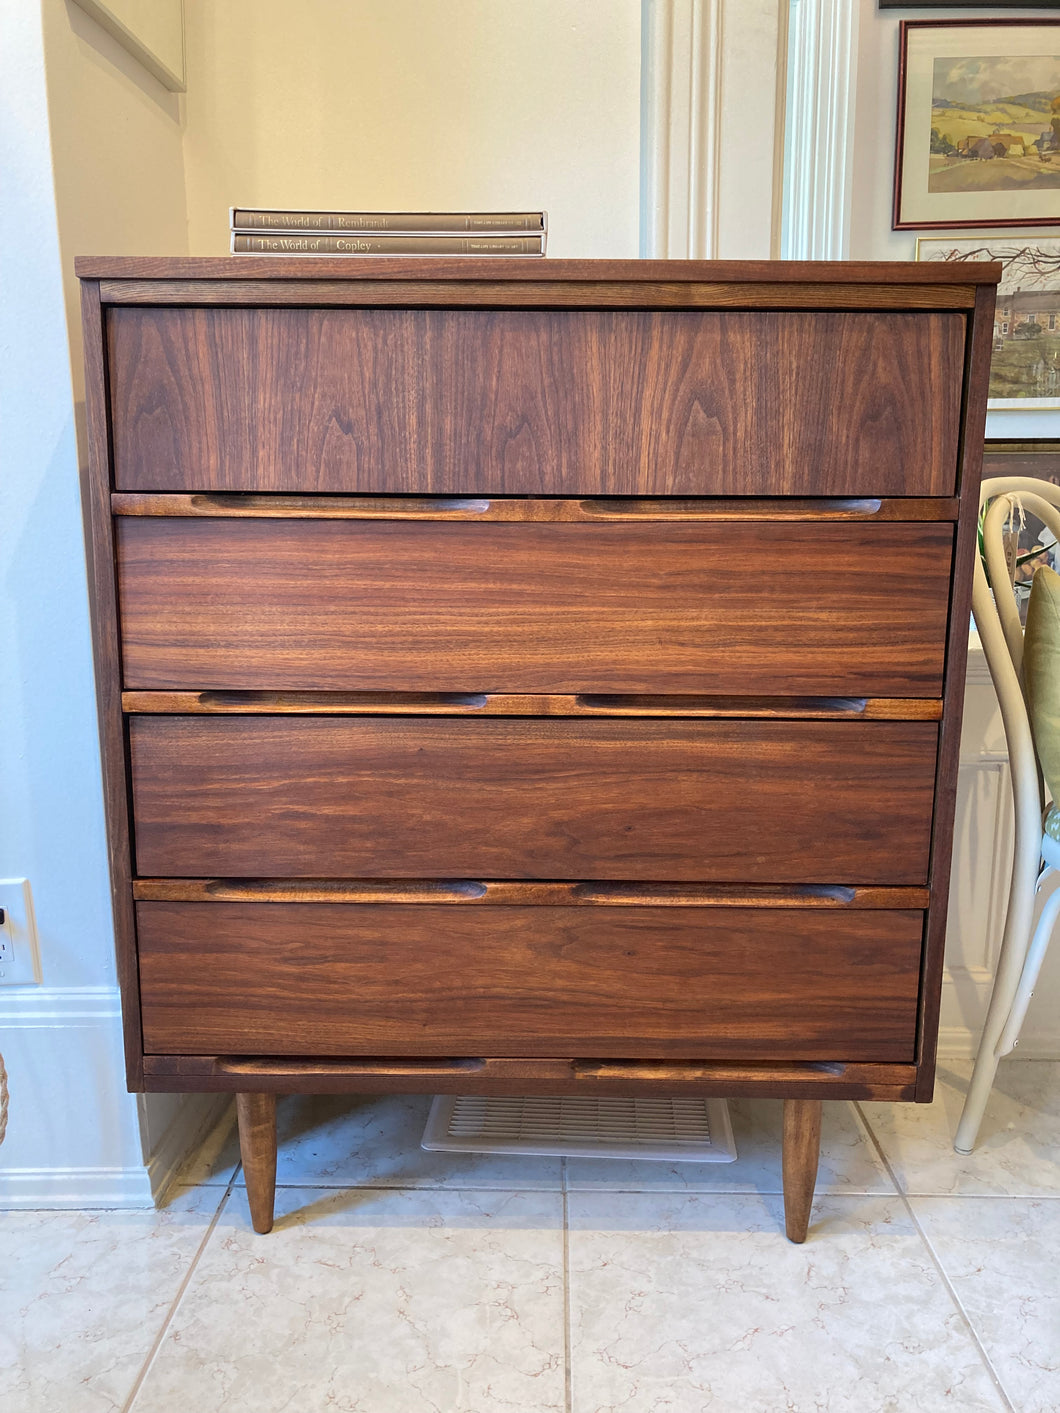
(691, 1130)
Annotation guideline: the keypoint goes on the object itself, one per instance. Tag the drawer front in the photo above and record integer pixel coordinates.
(802, 609)
(636, 982)
(741, 801)
(540, 402)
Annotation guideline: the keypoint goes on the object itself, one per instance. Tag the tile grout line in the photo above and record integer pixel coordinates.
(567, 1375)
(156, 1345)
(933, 1255)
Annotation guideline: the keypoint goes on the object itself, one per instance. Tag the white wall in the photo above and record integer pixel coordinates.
(91, 161)
(412, 104)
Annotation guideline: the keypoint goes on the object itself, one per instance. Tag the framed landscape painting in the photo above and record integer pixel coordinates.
(978, 124)
(1025, 364)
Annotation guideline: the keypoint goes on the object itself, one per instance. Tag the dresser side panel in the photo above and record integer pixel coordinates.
(104, 613)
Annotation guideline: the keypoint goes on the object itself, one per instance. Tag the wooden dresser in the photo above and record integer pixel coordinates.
(532, 677)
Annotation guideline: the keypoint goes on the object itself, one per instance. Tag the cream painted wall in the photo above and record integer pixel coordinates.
(495, 104)
(117, 154)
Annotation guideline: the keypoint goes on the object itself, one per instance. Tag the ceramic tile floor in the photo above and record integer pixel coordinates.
(399, 1281)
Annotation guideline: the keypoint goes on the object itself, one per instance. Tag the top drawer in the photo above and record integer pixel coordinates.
(530, 401)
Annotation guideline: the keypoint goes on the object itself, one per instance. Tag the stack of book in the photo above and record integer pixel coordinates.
(260, 232)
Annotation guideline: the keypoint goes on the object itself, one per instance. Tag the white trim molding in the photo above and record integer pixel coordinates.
(63, 1189)
(822, 71)
(73, 1140)
(680, 128)
(708, 158)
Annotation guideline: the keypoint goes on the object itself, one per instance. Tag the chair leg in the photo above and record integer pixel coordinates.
(975, 1102)
(1014, 945)
(802, 1149)
(1032, 967)
(257, 1145)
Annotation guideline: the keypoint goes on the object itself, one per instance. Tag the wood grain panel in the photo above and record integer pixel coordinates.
(835, 609)
(175, 1074)
(420, 980)
(418, 270)
(696, 801)
(541, 402)
(570, 294)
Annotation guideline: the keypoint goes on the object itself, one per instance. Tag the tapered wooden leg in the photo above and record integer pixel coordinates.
(802, 1148)
(257, 1144)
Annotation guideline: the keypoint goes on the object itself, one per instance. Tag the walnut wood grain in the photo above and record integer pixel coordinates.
(817, 274)
(550, 981)
(696, 801)
(540, 402)
(603, 294)
(842, 609)
(495, 893)
(548, 294)
(256, 1114)
(220, 1073)
(225, 703)
(802, 1148)
(234, 505)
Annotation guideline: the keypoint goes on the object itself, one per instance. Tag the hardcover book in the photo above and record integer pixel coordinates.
(315, 243)
(393, 222)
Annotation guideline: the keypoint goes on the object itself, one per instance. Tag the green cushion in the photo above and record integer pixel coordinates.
(1041, 673)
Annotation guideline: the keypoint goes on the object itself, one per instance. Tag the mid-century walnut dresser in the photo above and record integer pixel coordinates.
(533, 677)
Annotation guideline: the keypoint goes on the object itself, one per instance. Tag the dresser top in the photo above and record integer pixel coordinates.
(287, 267)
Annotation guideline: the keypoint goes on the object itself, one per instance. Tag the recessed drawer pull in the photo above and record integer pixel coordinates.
(325, 506)
(252, 703)
(506, 893)
(714, 508)
(690, 1070)
(529, 509)
(351, 1067)
(799, 708)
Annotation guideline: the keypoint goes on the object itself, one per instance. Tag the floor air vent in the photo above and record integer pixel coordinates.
(690, 1130)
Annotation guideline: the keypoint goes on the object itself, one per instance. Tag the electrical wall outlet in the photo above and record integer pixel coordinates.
(19, 951)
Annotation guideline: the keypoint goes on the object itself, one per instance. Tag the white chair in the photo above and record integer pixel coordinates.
(1037, 856)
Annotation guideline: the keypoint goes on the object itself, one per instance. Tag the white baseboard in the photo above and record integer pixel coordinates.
(959, 1043)
(197, 1116)
(50, 1188)
(76, 1137)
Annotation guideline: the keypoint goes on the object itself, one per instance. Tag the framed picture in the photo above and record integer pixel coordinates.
(978, 124)
(1025, 366)
(966, 4)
